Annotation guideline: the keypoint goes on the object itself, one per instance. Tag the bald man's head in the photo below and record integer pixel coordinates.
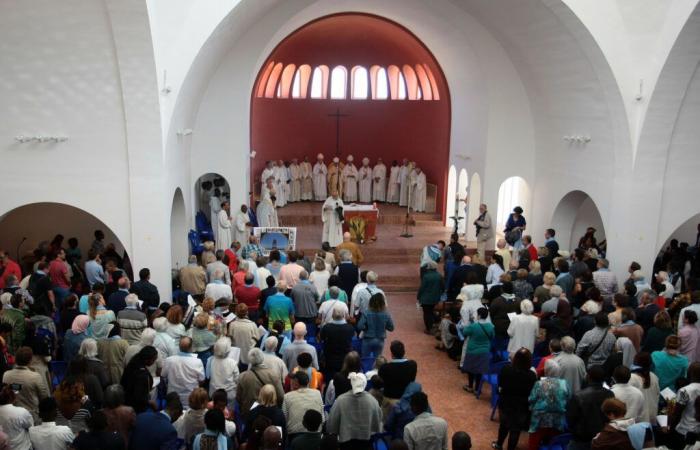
(346, 237)
(272, 438)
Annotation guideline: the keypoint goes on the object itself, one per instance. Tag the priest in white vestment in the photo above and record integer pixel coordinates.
(350, 175)
(267, 214)
(379, 181)
(404, 172)
(307, 182)
(365, 183)
(268, 171)
(394, 186)
(295, 185)
(223, 228)
(280, 184)
(320, 173)
(335, 177)
(214, 208)
(332, 223)
(241, 225)
(419, 188)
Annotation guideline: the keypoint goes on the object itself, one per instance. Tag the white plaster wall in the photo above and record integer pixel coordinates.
(85, 69)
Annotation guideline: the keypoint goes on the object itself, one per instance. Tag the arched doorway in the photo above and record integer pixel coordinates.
(687, 235)
(389, 89)
(474, 202)
(204, 188)
(513, 192)
(462, 193)
(25, 229)
(178, 231)
(451, 207)
(575, 212)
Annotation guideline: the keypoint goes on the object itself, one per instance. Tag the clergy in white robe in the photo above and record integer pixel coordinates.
(268, 172)
(280, 184)
(320, 173)
(224, 228)
(204, 195)
(214, 208)
(394, 186)
(295, 185)
(307, 181)
(350, 175)
(332, 223)
(335, 177)
(365, 183)
(267, 214)
(404, 172)
(241, 225)
(379, 181)
(419, 189)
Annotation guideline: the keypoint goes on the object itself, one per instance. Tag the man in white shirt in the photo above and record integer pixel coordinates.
(14, 421)
(48, 435)
(327, 309)
(299, 400)
(217, 289)
(426, 431)
(183, 371)
(632, 397)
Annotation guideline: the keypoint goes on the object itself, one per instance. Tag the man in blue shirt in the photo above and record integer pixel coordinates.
(93, 269)
(280, 307)
(155, 429)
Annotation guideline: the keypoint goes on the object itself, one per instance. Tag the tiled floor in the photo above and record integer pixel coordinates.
(392, 257)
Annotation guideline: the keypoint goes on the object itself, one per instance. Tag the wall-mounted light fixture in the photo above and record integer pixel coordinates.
(577, 139)
(185, 132)
(22, 139)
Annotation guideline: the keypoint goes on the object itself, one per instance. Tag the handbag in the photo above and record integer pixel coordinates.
(588, 354)
(513, 236)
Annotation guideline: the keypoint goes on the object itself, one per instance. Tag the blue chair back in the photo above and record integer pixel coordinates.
(196, 247)
(559, 442)
(58, 372)
(367, 363)
(357, 344)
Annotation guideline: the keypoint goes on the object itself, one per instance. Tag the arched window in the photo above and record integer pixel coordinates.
(301, 81)
(402, 87)
(433, 83)
(339, 80)
(411, 82)
(272, 86)
(286, 81)
(382, 90)
(513, 192)
(262, 83)
(393, 74)
(360, 88)
(424, 82)
(319, 82)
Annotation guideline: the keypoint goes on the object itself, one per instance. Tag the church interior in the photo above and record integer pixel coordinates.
(126, 115)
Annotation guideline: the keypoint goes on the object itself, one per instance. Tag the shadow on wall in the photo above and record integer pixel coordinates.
(576, 212)
(26, 227)
(688, 232)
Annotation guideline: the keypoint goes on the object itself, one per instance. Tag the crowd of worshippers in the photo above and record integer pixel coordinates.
(294, 181)
(252, 352)
(570, 352)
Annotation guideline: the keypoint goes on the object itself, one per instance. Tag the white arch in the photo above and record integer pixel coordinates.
(451, 206)
(473, 210)
(575, 212)
(178, 231)
(513, 192)
(463, 193)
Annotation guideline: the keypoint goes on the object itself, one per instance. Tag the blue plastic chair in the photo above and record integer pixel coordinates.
(379, 441)
(367, 363)
(204, 228)
(560, 442)
(58, 372)
(357, 344)
(492, 379)
(196, 246)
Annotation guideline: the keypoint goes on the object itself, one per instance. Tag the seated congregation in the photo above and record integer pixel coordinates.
(251, 352)
(567, 353)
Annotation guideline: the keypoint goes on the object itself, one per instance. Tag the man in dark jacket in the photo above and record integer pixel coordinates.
(146, 291)
(459, 277)
(583, 411)
(501, 306)
(429, 293)
(397, 373)
(117, 300)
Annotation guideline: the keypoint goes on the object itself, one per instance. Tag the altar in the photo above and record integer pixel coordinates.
(360, 221)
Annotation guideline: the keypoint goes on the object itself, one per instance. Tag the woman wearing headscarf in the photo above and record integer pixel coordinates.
(74, 337)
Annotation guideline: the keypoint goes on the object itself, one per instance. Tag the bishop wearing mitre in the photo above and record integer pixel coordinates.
(320, 173)
(307, 182)
(365, 183)
(350, 175)
(335, 176)
(379, 181)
